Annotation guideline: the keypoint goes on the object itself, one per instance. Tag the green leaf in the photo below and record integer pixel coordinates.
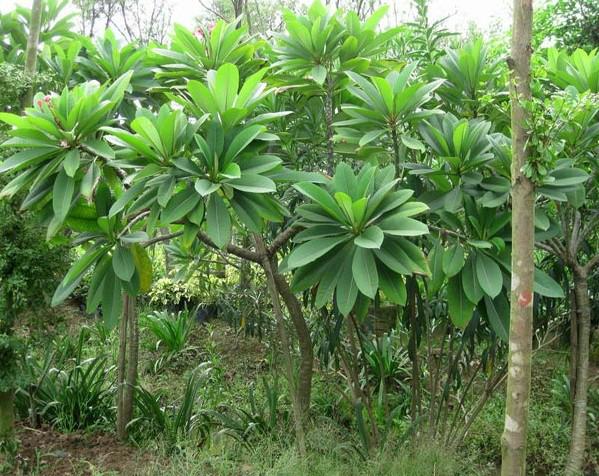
(489, 275)
(62, 195)
(460, 309)
(546, 286)
(472, 289)
(435, 259)
(365, 272)
(319, 74)
(393, 286)
(112, 299)
(253, 184)
(412, 143)
(143, 265)
(205, 187)
(218, 221)
(347, 289)
(71, 162)
(403, 226)
(453, 260)
(371, 237)
(498, 313)
(312, 250)
(180, 205)
(122, 263)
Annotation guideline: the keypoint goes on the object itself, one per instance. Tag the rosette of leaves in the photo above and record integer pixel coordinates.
(105, 60)
(472, 254)
(113, 255)
(196, 174)
(579, 69)
(192, 55)
(323, 42)
(61, 150)
(385, 106)
(224, 99)
(356, 238)
(461, 150)
(469, 74)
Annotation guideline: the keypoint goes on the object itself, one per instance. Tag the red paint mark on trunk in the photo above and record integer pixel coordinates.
(525, 298)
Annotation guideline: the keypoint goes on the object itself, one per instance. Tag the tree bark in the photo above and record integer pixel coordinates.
(132, 361)
(121, 421)
(573, 344)
(7, 416)
(513, 440)
(328, 115)
(413, 348)
(579, 416)
(31, 52)
(305, 342)
(298, 414)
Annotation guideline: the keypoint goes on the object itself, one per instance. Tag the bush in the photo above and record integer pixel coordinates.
(67, 390)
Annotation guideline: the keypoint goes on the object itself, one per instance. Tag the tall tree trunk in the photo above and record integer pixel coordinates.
(298, 414)
(304, 340)
(573, 344)
(31, 52)
(329, 113)
(7, 416)
(579, 417)
(413, 348)
(121, 420)
(513, 440)
(132, 360)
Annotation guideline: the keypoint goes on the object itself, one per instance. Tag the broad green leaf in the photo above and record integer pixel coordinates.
(546, 286)
(498, 313)
(112, 298)
(453, 260)
(122, 263)
(143, 264)
(488, 275)
(347, 289)
(218, 221)
(460, 309)
(371, 237)
(62, 195)
(365, 272)
(71, 162)
(312, 250)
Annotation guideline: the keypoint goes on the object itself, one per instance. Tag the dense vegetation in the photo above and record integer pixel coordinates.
(290, 250)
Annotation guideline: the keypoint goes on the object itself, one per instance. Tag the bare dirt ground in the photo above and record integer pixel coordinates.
(46, 452)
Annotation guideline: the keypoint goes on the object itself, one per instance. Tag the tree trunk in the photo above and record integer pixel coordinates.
(7, 416)
(573, 344)
(413, 348)
(513, 440)
(579, 417)
(121, 421)
(31, 52)
(298, 414)
(305, 342)
(328, 115)
(132, 361)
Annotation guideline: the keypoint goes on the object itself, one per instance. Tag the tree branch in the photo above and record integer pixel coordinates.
(281, 239)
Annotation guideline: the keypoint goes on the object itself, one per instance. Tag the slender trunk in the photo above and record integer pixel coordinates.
(7, 416)
(121, 422)
(579, 417)
(305, 342)
(31, 52)
(513, 440)
(396, 156)
(573, 344)
(167, 259)
(413, 349)
(298, 414)
(132, 360)
(329, 114)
